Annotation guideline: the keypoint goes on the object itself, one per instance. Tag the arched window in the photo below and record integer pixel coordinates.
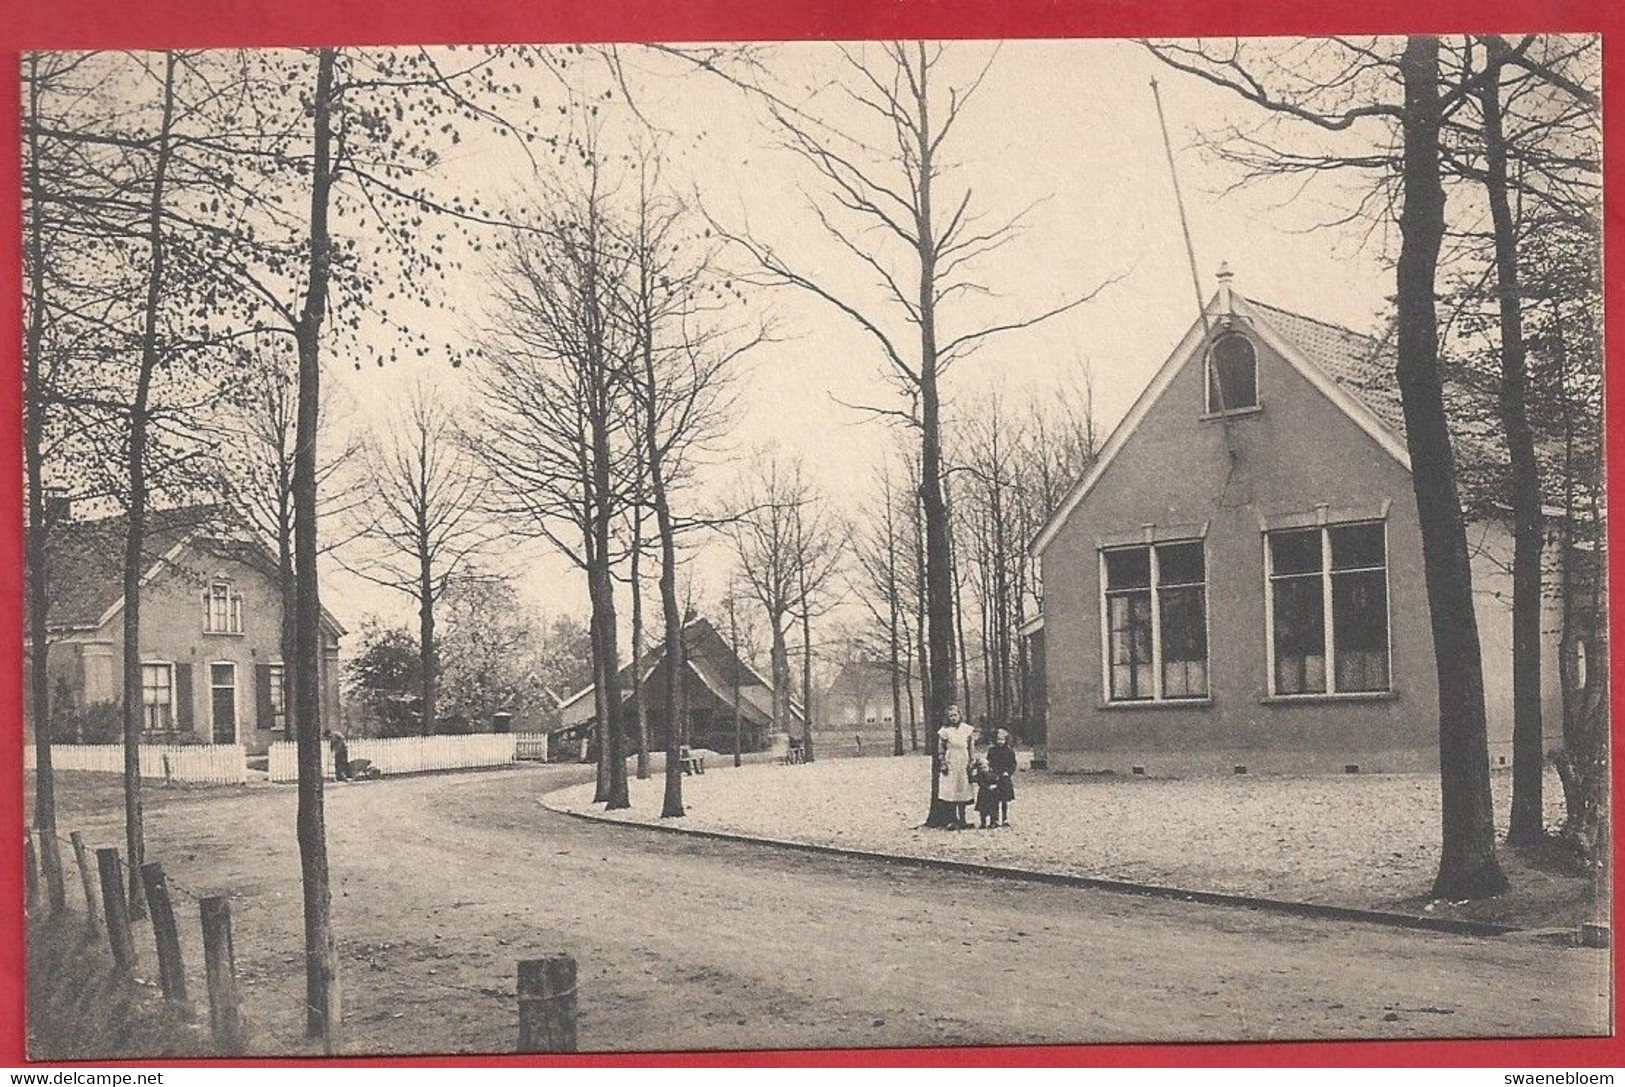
(1232, 385)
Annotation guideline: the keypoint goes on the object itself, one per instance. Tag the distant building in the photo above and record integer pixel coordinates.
(711, 672)
(860, 697)
(211, 628)
(1238, 579)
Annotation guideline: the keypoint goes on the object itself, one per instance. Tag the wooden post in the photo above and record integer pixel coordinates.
(547, 1005)
(116, 910)
(171, 972)
(81, 857)
(30, 872)
(50, 857)
(225, 1012)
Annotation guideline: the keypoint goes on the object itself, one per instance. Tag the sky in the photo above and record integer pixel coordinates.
(1067, 127)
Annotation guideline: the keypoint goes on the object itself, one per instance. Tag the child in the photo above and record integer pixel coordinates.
(987, 795)
(1001, 766)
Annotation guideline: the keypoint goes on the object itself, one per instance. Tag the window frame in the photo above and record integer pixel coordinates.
(1158, 697)
(1210, 368)
(223, 589)
(173, 705)
(1328, 619)
(278, 678)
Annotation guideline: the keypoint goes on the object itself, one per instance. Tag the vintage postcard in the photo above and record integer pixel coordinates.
(659, 547)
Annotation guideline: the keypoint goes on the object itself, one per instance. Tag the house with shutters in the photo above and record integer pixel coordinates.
(212, 668)
(1238, 582)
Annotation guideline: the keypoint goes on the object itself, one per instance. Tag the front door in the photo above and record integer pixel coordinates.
(223, 689)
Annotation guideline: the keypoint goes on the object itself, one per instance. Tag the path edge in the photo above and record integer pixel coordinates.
(1455, 925)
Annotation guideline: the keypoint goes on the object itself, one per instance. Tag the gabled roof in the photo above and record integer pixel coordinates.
(1353, 371)
(86, 558)
(708, 655)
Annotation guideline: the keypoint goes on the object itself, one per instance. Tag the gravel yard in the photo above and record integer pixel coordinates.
(1352, 840)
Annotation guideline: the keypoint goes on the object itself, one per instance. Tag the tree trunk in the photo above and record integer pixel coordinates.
(286, 638)
(733, 645)
(428, 652)
(781, 677)
(322, 1011)
(806, 680)
(134, 564)
(1527, 826)
(893, 647)
(1467, 866)
(38, 530)
(639, 709)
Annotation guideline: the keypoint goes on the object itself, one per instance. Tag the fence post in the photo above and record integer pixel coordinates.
(220, 968)
(81, 858)
(117, 911)
(547, 1005)
(30, 872)
(171, 972)
(50, 857)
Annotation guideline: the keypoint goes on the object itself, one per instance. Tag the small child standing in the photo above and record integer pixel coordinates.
(1001, 767)
(987, 795)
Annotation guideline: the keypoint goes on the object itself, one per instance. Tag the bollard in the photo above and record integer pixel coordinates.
(220, 968)
(547, 1005)
(171, 972)
(30, 872)
(82, 859)
(113, 905)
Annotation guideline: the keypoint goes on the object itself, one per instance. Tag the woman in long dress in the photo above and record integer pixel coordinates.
(955, 743)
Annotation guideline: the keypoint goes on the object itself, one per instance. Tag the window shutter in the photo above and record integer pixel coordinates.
(183, 696)
(264, 715)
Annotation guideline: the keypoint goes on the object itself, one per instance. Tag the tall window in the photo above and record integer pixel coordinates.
(1232, 385)
(1156, 622)
(224, 613)
(158, 697)
(279, 696)
(1329, 609)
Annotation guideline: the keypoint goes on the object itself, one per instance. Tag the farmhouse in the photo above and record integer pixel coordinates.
(712, 674)
(211, 622)
(1238, 579)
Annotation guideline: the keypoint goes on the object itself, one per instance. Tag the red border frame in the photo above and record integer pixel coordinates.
(120, 23)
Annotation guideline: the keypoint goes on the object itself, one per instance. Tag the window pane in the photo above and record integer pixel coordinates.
(1179, 564)
(1235, 365)
(1355, 546)
(1295, 552)
(1360, 630)
(1300, 635)
(1184, 643)
(1130, 647)
(1128, 568)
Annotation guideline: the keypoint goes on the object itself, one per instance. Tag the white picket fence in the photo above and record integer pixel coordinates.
(197, 764)
(412, 754)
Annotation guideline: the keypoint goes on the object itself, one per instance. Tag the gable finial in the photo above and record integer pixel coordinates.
(1227, 302)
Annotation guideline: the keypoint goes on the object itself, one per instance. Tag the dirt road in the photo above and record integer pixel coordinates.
(442, 882)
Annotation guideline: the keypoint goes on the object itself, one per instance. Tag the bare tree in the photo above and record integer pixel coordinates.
(673, 306)
(817, 538)
(419, 523)
(877, 577)
(257, 467)
(552, 418)
(764, 538)
(889, 206)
